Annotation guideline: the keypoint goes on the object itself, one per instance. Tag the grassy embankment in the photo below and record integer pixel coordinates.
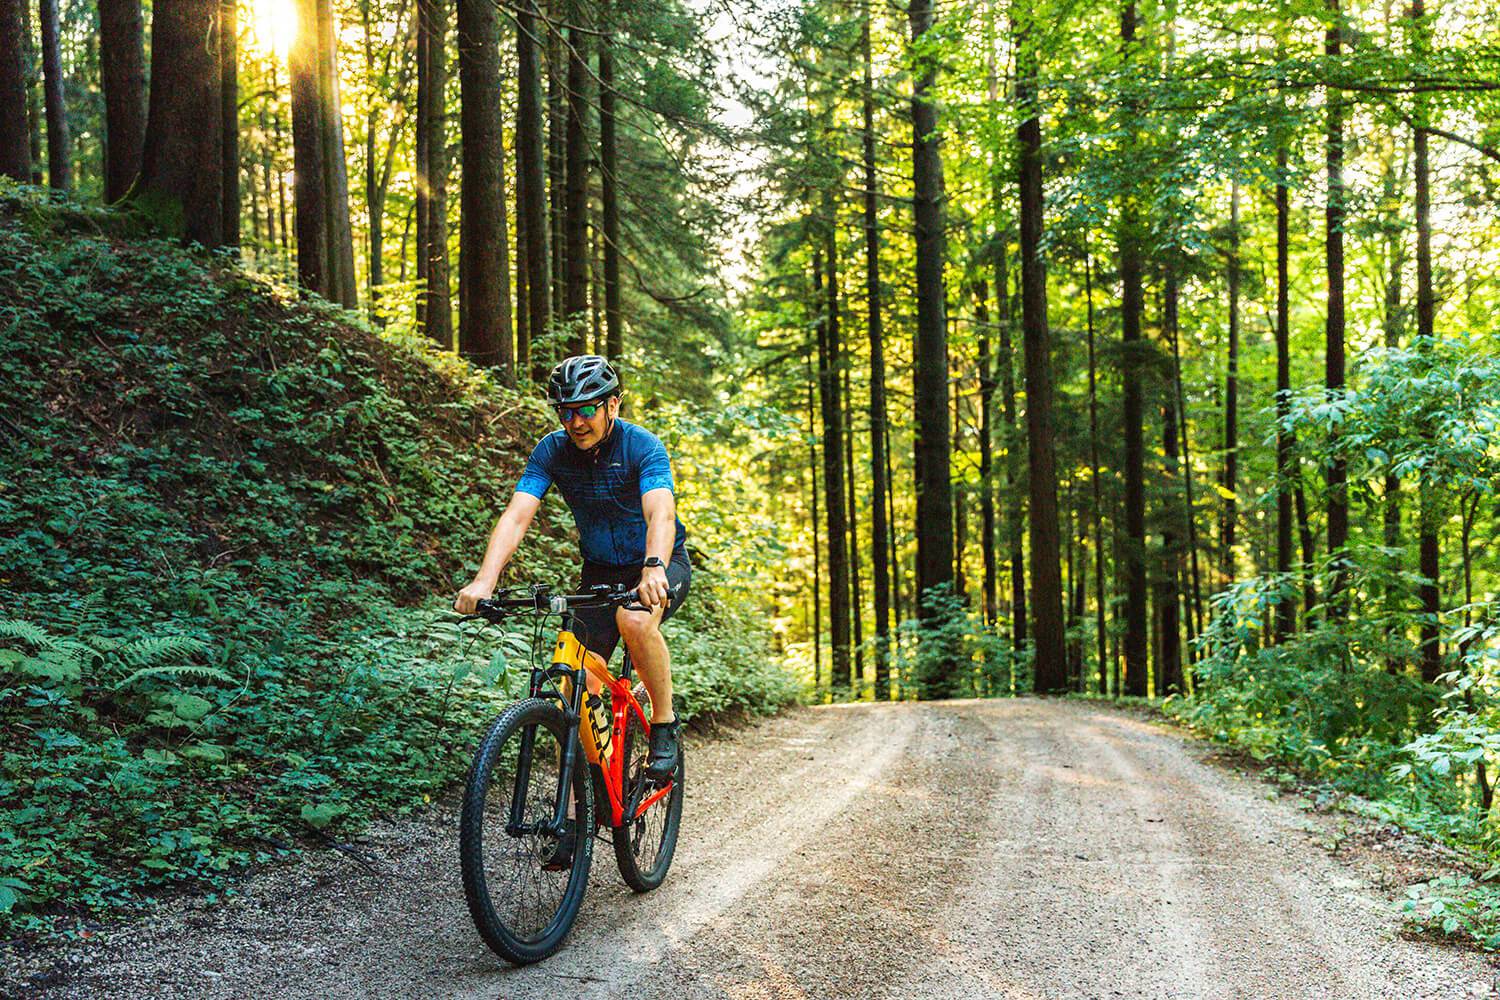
(229, 523)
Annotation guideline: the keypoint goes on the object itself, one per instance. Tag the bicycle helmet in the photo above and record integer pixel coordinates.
(581, 378)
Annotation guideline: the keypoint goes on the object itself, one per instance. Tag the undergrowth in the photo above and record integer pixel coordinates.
(229, 524)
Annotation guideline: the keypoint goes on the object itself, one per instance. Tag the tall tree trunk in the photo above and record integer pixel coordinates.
(609, 195)
(342, 284)
(1431, 518)
(930, 355)
(812, 461)
(986, 450)
(1101, 633)
(1136, 639)
(15, 152)
(1338, 501)
(1230, 480)
(1286, 463)
(59, 141)
(829, 361)
(438, 312)
(229, 103)
(278, 144)
(856, 591)
(307, 153)
(1190, 507)
(32, 73)
(879, 484)
(960, 487)
(484, 336)
(1015, 515)
(1393, 321)
(180, 181)
(421, 151)
(122, 72)
(531, 181)
(576, 201)
(1046, 571)
(556, 175)
(1169, 625)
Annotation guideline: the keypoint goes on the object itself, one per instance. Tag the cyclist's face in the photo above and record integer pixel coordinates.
(585, 432)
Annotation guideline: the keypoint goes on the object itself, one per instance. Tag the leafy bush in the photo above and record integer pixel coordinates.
(953, 653)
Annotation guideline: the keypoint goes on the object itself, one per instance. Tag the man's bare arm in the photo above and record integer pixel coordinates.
(660, 509)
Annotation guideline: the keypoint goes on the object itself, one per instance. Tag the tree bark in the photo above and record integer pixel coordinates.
(576, 193)
(342, 284)
(59, 139)
(432, 237)
(1286, 609)
(1101, 633)
(484, 259)
(829, 362)
(15, 151)
(180, 180)
(556, 173)
(309, 192)
(229, 103)
(1338, 502)
(609, 195)
(1430, 516)
(531, 181)
(986, 450)
(1136, 638)
(856, 592)
(812, 462)
(1046, 572)
(1169, 624)
(1230, 480)
(122, 73)
(879, 484)
(933, 486)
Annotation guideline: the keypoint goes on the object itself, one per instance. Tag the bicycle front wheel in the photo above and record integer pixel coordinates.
(522, 891)
(644, 844)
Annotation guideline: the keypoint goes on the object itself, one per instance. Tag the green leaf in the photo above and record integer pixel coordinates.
(320, 815)
(206, 751)
(190, 707)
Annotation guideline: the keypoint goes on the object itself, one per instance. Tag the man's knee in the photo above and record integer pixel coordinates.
(637, 625)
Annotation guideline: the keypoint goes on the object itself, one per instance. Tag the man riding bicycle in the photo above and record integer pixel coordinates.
(617, 481)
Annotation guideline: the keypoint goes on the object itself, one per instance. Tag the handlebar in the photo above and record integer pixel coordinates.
(542, 601)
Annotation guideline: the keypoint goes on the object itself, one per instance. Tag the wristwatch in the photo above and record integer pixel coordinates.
(653, 561)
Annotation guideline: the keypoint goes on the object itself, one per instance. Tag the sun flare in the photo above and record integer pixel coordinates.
(275, 24)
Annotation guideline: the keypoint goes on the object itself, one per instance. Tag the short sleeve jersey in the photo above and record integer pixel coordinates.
(603, 489)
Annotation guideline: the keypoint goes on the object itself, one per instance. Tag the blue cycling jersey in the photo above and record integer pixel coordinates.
(603, 489)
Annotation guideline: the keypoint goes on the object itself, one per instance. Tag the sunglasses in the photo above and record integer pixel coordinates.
(565, 414)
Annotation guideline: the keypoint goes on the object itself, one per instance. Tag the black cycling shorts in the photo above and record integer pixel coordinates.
(596, 626)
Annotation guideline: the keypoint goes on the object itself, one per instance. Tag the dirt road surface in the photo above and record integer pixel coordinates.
(1019, 849)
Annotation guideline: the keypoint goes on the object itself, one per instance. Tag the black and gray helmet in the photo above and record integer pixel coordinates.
(582, 378)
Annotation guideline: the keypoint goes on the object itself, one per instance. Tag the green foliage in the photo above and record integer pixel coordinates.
(229, 522)
(1456, 906)
(952, 653)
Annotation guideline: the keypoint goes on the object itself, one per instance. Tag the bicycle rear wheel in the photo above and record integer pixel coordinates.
(644, 845)
(522, 910)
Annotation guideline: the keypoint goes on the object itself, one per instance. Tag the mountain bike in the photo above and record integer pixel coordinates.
(561, 761)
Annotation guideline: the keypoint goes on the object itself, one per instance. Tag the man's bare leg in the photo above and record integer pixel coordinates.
(641, 631)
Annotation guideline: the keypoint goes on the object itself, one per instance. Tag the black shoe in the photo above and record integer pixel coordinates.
(561, 858)
(663, 760)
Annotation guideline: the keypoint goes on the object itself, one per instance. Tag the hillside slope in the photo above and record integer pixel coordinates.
(228, 523)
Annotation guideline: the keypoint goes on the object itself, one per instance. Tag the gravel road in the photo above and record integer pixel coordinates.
(1019, 849)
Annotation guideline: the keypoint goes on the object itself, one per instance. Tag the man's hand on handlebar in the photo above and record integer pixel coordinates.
(653, 587)
(470, 596)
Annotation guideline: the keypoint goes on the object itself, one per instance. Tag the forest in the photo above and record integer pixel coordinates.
(1140, 350)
